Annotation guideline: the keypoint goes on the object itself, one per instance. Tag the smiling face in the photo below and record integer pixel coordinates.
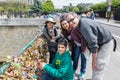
(72, 20)
(65, 24)
(50, 25)
(61, 48)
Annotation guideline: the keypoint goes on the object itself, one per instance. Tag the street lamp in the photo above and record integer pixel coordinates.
(109, 10)
(109, 2)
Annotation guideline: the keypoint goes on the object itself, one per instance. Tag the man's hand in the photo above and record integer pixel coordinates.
(94, 66)
(42, 65)
(94, 61)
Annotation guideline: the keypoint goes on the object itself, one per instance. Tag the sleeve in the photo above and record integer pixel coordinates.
(52, 64)
(75, 35)
(58, 72)
(93, 16)
(58, 34)
(90, 37)
(46, 34)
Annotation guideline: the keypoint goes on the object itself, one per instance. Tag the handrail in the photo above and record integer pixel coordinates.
(6, 65)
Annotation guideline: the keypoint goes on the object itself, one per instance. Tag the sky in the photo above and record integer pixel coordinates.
(60, 3)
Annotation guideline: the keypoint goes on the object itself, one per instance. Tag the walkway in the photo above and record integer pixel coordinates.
(111, 22)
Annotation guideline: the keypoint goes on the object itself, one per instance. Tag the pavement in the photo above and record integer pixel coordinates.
(112, 71)
(111, 22)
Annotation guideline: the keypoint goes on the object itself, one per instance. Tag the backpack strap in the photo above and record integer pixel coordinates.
(47, 32)
(55, 31)
(115, 44)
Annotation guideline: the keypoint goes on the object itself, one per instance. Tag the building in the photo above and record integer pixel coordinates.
(30, 2)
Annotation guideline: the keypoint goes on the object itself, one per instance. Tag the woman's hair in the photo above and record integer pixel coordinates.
(63, 41)
(63, 31)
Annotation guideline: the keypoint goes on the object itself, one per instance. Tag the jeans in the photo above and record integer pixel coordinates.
(52, 51)
(47, 76)
(78, 53)
(52, 54)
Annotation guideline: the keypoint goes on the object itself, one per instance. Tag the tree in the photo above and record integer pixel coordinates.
(48, 6)
(100, 6)
(76, 9)
(1, 9)
(37, 6)
(81, 7)
(115, 4)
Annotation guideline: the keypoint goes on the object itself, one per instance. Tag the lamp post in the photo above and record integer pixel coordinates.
(109, 10)
(109, 2)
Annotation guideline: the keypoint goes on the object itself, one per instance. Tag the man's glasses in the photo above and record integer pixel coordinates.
(71, 20)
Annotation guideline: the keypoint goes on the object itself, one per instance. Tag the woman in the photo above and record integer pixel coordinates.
(66, 31)
(51, 34)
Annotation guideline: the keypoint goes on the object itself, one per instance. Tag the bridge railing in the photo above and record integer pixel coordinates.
(21, 21)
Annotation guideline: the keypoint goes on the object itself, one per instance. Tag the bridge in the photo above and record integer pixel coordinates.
(15, 33)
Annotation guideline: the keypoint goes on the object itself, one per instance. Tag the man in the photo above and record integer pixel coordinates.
(99, 41)
(92, 15)
(79, 48)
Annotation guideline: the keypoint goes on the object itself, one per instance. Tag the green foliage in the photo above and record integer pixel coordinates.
(1, 8)
(71, 8)
(75, 9)
(103, 6)
(4, 5)
(26, 8)
(82, 7)
(115, 4)
(48, 6)
(14, 7)
(100, 6)
(57, 10)
(37, 7)
(10, 9)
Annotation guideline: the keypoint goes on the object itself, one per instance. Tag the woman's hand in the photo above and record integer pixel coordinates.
(53, 37)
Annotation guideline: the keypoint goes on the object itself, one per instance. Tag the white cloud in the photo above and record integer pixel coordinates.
(60, 3)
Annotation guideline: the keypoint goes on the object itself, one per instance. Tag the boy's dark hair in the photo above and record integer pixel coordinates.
(63, 41)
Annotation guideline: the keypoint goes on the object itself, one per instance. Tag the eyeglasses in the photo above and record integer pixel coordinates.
(71, 20)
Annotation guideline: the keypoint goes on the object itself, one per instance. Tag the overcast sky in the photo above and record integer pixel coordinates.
(60, 3)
